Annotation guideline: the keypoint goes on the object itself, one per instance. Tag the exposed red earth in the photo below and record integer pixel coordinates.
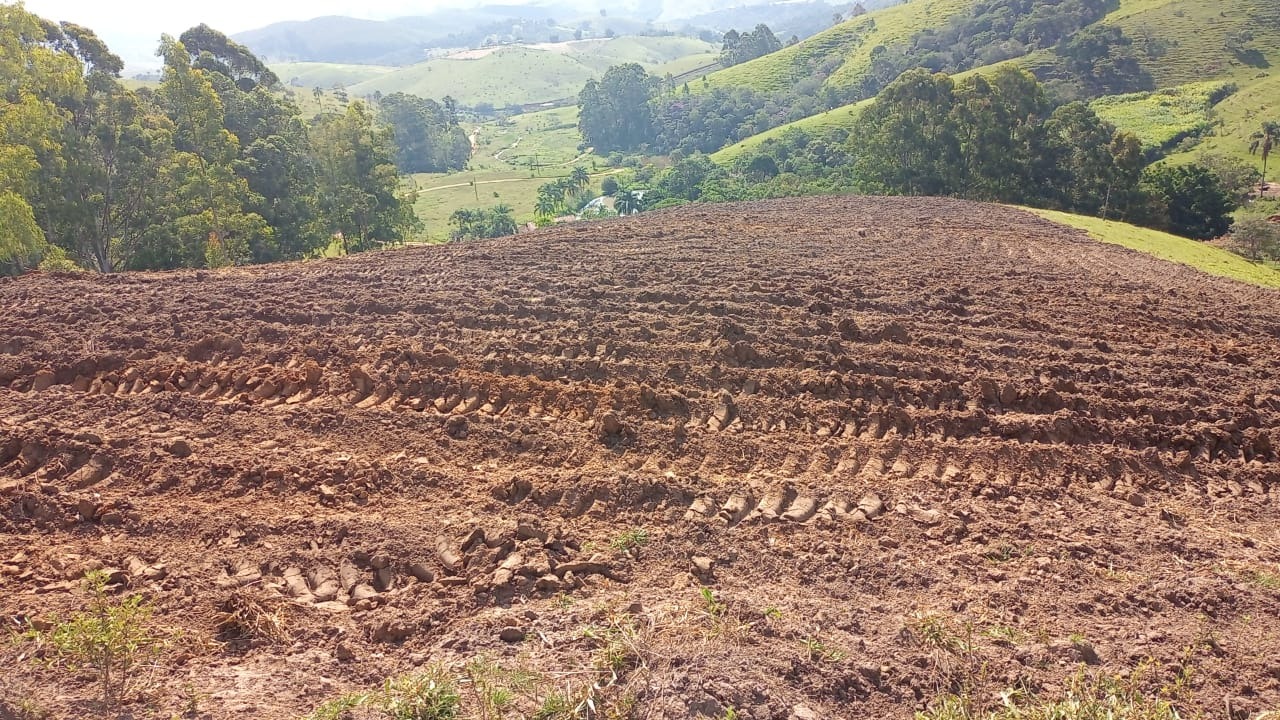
(855, 421)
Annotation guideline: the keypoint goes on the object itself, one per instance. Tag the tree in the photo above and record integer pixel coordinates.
(1198, 205)
(615, 112)
(38, 81)
(102, 202)
(996, 125)
(1256, 238)
(906, 142)
(1078, 147)
(546, 205)
(580, 179)
(739, 48)
(609, 186)
(627, 202)
(482, 223)
(358, 193)
(212, 51)
(1102, 59)
(1269, 134)
(1237, 176)
(212, 225)
(684, 178)
(427, 135)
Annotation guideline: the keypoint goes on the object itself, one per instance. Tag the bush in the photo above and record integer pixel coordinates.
(1198, 205)
(108, 638)
(1255, 238)
(56, 260)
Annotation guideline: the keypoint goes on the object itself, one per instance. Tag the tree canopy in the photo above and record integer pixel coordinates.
(615, 112)
(214, 167)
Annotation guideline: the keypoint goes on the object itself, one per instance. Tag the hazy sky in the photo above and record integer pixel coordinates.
(132, 29)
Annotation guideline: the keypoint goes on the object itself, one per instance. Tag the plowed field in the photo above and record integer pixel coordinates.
(910, 447)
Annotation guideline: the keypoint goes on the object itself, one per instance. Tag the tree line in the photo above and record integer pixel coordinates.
(995, 138)
(626, 110)
(214, 166)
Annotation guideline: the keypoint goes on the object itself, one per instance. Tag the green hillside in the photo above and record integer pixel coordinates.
(845, 116)
(1196, 254)
(519, 75)
(1163, 117)
(847, 45)
(1196, 35)
(1238, 117)
(1189, 39)
(326, 75)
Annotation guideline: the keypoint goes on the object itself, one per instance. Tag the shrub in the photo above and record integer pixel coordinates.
(109, 637)
(1255, 238)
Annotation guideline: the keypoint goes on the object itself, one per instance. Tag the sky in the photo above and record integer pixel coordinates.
(132, 29)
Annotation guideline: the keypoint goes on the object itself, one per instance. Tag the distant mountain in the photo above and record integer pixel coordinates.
(401, 41)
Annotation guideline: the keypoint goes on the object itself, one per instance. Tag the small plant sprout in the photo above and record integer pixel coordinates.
(818, 651)
(710, 605)
(631, 540)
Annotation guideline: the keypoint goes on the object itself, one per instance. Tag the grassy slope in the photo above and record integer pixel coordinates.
(551, 135)
(1158, 118)
(1240, 115)
(844, 116)
(307, 75)
(518, 75)
(1196, 32)
(508, 76)
(853, 40)
(1201, 256)
(652, 52)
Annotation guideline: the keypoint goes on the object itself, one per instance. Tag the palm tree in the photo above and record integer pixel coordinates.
(626, 202)
(580, 179)
(1270, 133)
(546, 205)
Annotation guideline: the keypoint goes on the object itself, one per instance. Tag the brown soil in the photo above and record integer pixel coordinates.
(867, 415)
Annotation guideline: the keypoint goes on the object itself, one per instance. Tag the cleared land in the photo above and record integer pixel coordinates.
(810, 458)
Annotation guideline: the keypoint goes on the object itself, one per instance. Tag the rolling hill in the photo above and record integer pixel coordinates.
(529, 74)
(339, 39)
(327, 75)
(846, 46)
(1189, 39)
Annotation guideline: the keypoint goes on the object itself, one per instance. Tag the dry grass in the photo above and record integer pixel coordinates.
(244, 616)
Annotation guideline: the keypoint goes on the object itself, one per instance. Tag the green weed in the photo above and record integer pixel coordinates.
(1100, 697)
(818, 651)
(630, 540)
